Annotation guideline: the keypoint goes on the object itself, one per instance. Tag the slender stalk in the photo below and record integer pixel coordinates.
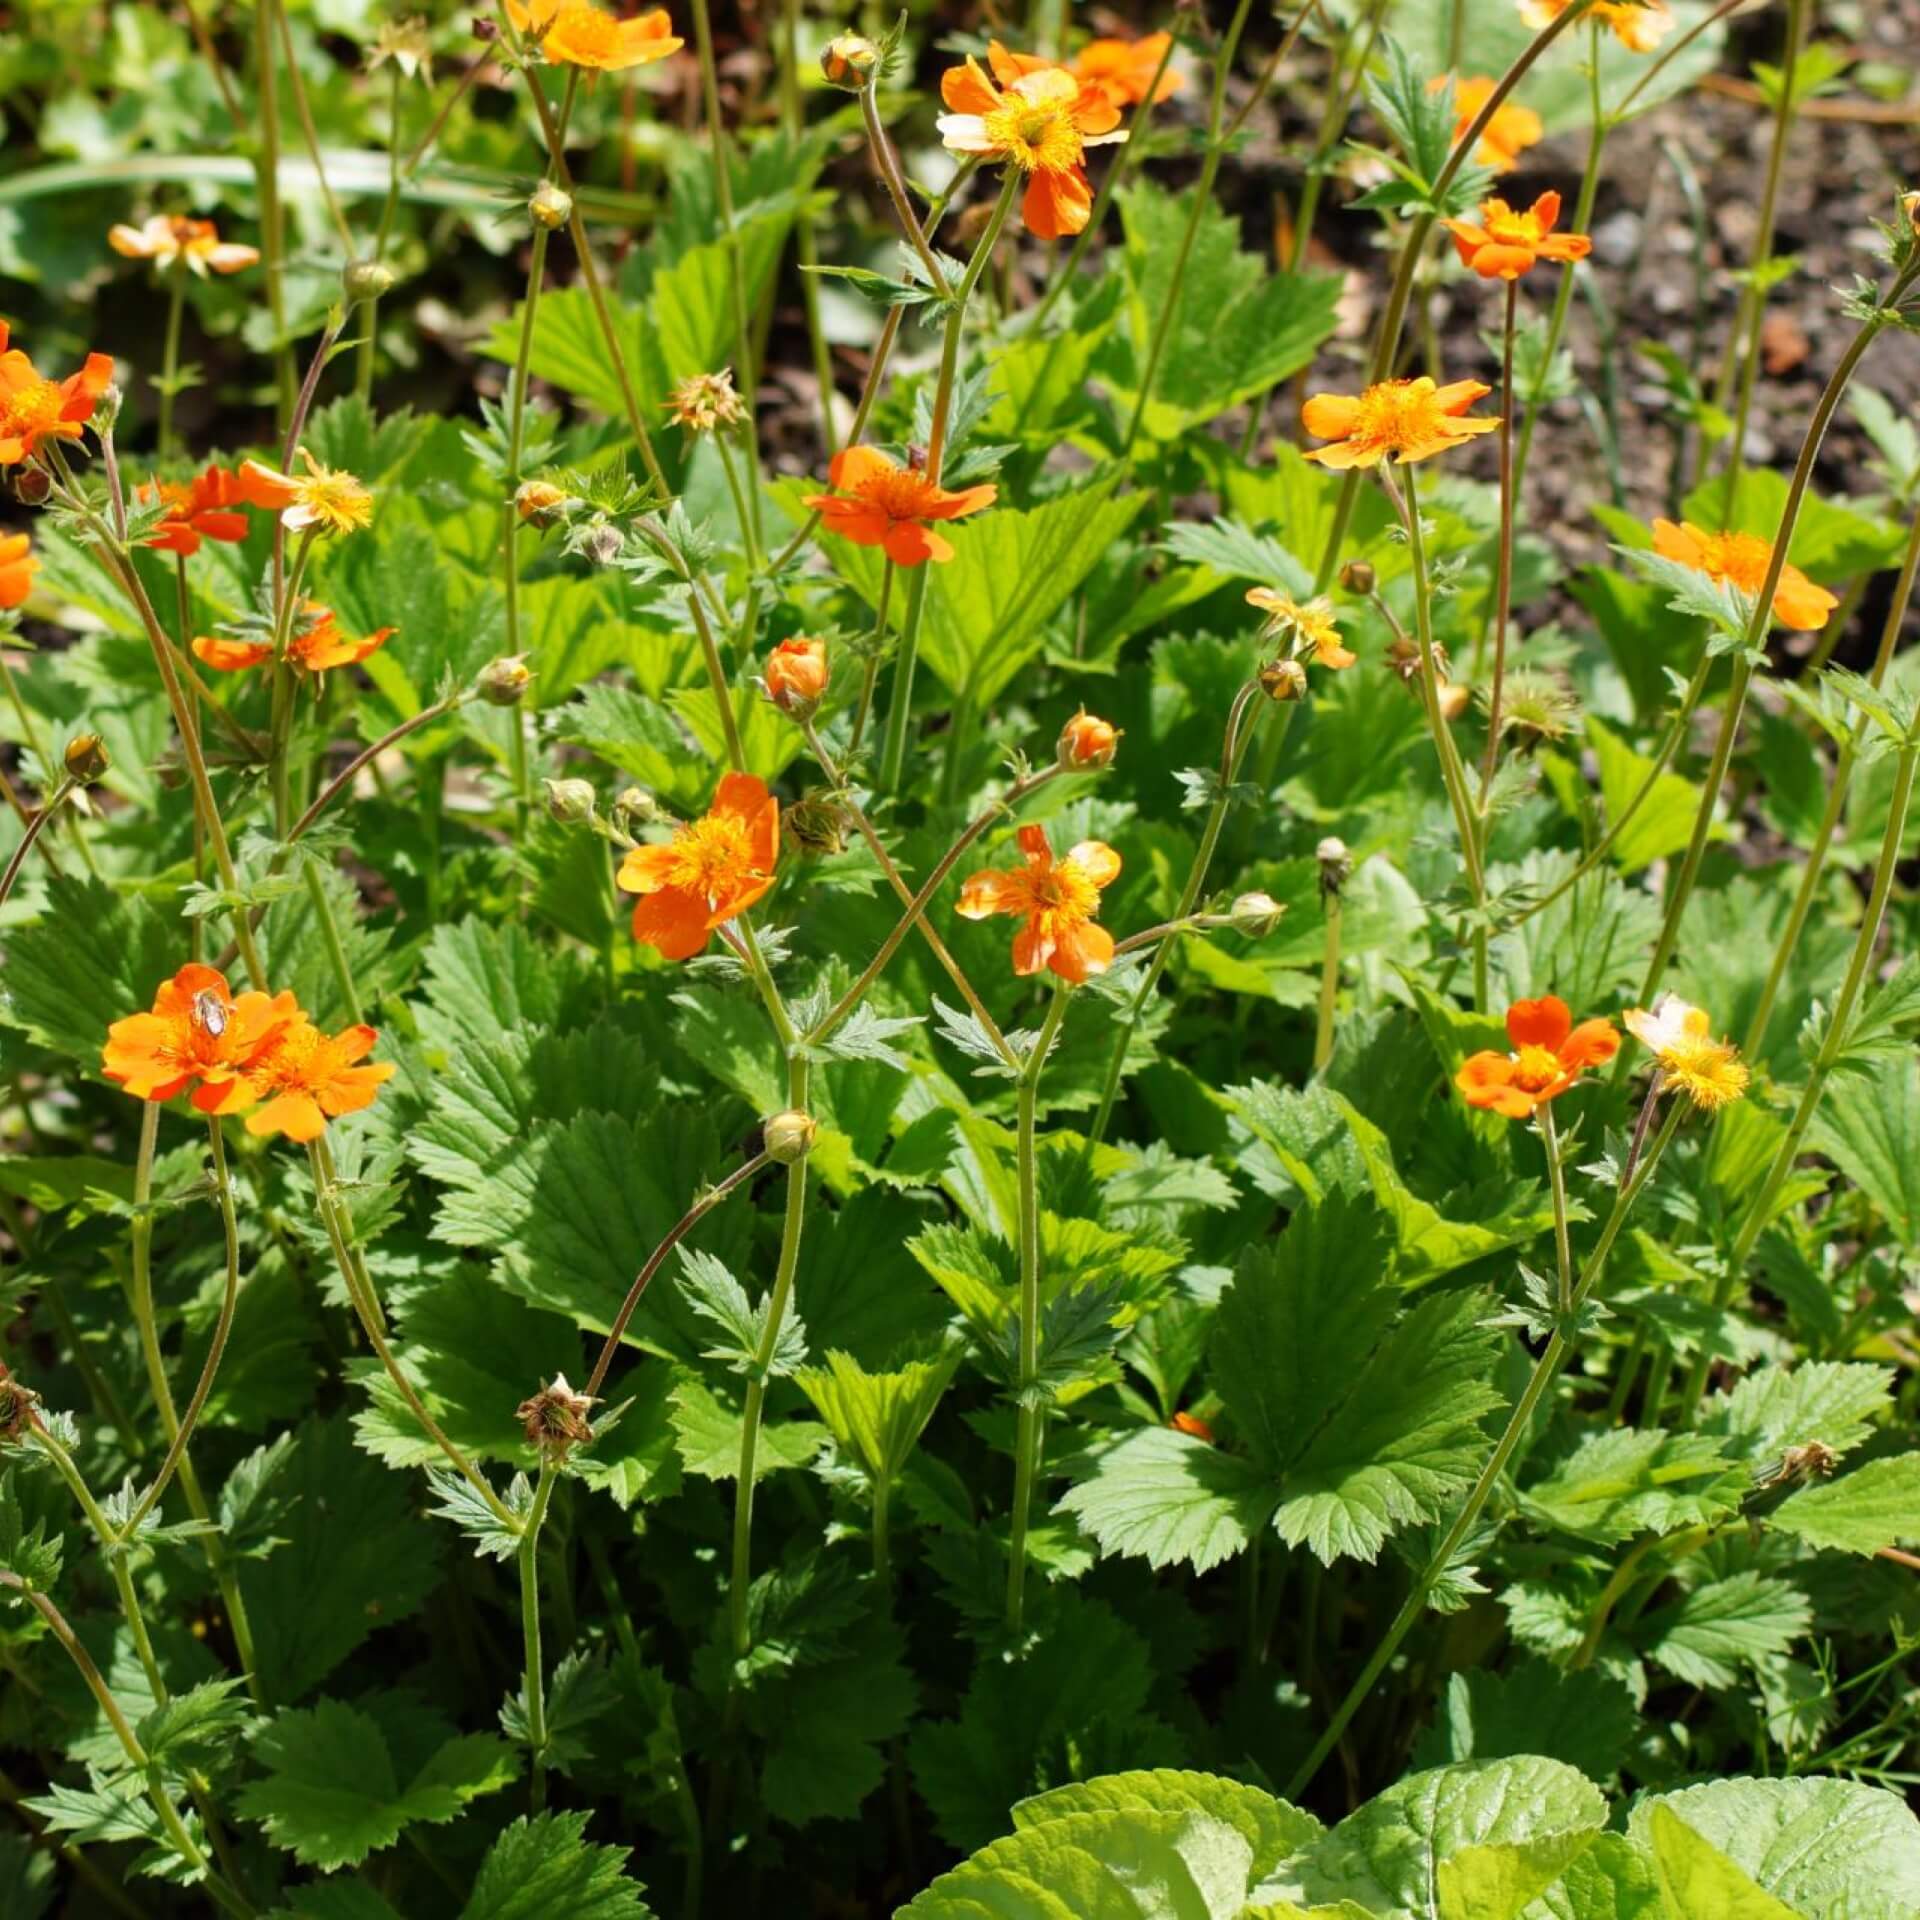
(656, 536)
(887, 164)
(806, 240)
(534, 1687)
(1557, 1182)
(273, 232)
(55, 801)
(1027, 1390)
(170, 358)
(1329, 985)
(1546, 1370)
(1841, 780)
(871, 672)
(370, 316)
(344, 779)
(1503, 586)
(303, 112)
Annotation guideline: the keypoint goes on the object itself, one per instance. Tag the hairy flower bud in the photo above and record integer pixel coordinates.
(571, 802)
(17, 1402)
(1087, 742)
(1336, 863)
(1284, 680)
(849, 60)
(1255, 914)
(636, 807)
(504, 682)
(484, 30)
(550, 206)
(1357, 577)
(555, 1418)
(797, 675)
(789, 1135)
(31, 484)
(106, 410)
(539, 502)
(366, 279)
(815, 825)
(602, 543)
(86, 758)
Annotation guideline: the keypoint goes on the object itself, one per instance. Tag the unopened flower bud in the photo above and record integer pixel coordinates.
(849, 60)
(539, 502)
(1256, 914)
(815, 825)
(550, 206)
(504, 682)
(636, 807)
(106, 410)
(484, 30)
(1336, 863)
(17, 1402)
(1087, 742)
(603, 543)
(797, 675)
(1910, 206)
(1357, 577)
(1284, 680)
(31, 484)
(570, 802)
(789, 1135)
(555, 1418)
(1454, 700)
(86, 758)
(366, 279)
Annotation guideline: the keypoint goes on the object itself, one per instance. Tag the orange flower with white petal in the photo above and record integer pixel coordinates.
(1039, 118)
(316, 645)
(325, 498)
(713, 869)
(300, 1078)
(1638, 26)
(1742, 560)
(1058, 901)
(207, 507)
(34, 409)
(1508, 133)
(1549, 1054)
(1123, 69)
(879, 504)
(18, 565)
(1709, 1072)
(1409, 419)
(575, 34)
(197, 1031)
(170, 239)
(1506, 242)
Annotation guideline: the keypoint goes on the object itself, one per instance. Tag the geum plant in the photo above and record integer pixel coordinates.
(1304, 1298)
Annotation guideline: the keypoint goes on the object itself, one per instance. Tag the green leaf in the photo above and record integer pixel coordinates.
(544, 1866)
(718, 1298)
(330, 1795)
(1869, 1126)
(1830, 1402)
(878, 1417)
(1663, 822)
(1623, 1481)
(1585, 1718)
(1707, 1636)
(1164, 1497)
(1874, 1506)
(1610, 1881)
(1697, 1879)
(707, 1424)
(193, 1728)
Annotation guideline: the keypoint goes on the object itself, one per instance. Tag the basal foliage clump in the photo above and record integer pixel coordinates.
(1045, 1141)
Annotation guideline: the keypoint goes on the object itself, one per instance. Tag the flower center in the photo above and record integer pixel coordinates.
(1395, 414)
(1536, 1067)
(900, 495)
(1067, 890)
(32, 410)
(1513, 229)
(1036, 134)
(586, 30)
(1742, 558)
(711, 855)
(289, 1058)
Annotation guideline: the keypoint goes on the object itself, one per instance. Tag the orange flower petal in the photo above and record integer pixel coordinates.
(673, 922)
(1545, 1022)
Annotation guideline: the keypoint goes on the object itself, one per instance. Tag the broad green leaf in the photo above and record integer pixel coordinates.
(1710, 1634)
(544, 1866)
(1663, 822)
(708, 1425)
(1868, 1124)
(1166, 1497)
(1874, 1506)
(1585, 1718)
(1699, 1882)
(877, 1416)
(1826, 1401)
(1622, 1482)
(1610, 1881)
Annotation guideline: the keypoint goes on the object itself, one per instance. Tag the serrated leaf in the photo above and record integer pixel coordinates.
(1169, 1497)
(544, 1866)
(878, 1417)
(1623, 1481)
(1707, 1636)
(1874, 1506)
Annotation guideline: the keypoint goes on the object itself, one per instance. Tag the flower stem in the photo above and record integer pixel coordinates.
(370, 315)
(657, 537)
(170, 358)
(871, 672)
(1329, 986)
(54, 801)
(1545, 1371)
(303, 112)
(534, 1687)
(273, 232)
(1503, 588)
(1027, 1390)
(887, 164)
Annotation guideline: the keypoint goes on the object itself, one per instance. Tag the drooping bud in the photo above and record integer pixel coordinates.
(504, 682)
(31, 484)
(849, 60)
(555, 1418)
(1283, 680)
(797, 675)
(1336, 863)
(550, 206)
(484, 30)
(366, 279)
(17, 1402)
(571, 802)
(1255, 914)
(1454, 700)
(86, 758)
(539, 502)
(1357, 577)
(789, 1135)
(1087, 742)
(603, 543)
(815, 825)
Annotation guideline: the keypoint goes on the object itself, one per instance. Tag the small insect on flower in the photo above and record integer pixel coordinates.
(713, 869)
(1123, 70)
(705, 401)
(1058, 901)
(1088, 743)
(197, 1031)
(207, 507)
(1508, 133)
(1639, 25)
(1709, 1072)
(325, 498)
(18, 565)
(173, 239)
(1039, 118)
(797, 674)
(879, 504)
(575, 34)
(1309, 628)
(1742, 559)
(315, 646)
(34, 409)
(1507, 242)
(1550, 1054)
(1409, 419)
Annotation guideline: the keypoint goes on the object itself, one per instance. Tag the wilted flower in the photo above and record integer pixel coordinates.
(1709, 1072)
(17, 1404)
(1336, 865)
(34, 409)
(1536, 707)
(706, 401)
(1550, 1054)
(326, 498)
(1357, 577)
(1307, 629)
(882, 505)
(1058, 901)
(1284, 680)
(1409, 419)
(815, 825)
(555, 1418)
(711, 870)
(315, 645)
(207, 507)
(1743, 559)
(1087, 742)
(167, 239)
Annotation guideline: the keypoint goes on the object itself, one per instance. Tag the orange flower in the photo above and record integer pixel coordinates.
(314, 648)
(306, 1078)
(323, 497)
(18, 565)
(797, 673)
(1508, 242)
(1638, 27)
(34, 409)
(1310, 628)
(578, 35)
(1191, 1423)
(1506, 136)
(1087, 742)
(168, 238)
(1411, 419)
(1550, 1055)
(197, 1030)
(712, 869)
(1059, 900)
(1743, 559)
(889, 506)
(1123, 69)
(1041, 119)
(206, 508)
